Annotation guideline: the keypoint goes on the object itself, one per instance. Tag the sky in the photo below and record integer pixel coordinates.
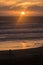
(15, 7)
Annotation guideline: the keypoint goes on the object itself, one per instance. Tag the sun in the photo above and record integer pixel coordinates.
(22, 13)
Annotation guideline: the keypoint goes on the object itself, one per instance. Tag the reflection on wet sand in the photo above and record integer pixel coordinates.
(20, 44)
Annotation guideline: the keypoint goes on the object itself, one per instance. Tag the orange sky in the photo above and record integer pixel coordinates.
(18, 13)
(12, 7)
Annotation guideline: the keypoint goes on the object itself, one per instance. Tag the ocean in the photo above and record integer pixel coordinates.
(21, 32)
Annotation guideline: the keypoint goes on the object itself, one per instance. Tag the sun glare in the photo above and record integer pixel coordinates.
(22, 13)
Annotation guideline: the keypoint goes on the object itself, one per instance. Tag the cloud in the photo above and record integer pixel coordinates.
(22, 5)
(35, 8)
(18, 6)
